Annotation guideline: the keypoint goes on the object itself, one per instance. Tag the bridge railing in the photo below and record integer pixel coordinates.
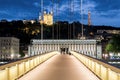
(16, 69)
(103, 70)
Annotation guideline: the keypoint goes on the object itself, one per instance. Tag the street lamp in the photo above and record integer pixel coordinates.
(12, 56)
(3, 52)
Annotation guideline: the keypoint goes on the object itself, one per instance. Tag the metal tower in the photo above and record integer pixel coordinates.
(89, 18)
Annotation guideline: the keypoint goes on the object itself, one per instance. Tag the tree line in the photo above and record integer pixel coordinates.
(59, 30)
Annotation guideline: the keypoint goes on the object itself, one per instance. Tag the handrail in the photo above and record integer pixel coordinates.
(13, 71)
(103, 70)
(15, 62)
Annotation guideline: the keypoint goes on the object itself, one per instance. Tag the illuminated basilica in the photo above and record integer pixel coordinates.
(47, 18)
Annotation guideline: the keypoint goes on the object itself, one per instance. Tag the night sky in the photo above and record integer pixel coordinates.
(103, 12)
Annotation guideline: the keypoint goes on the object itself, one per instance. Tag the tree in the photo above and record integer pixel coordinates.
(22, 54)
(109, 47)
(114, 44)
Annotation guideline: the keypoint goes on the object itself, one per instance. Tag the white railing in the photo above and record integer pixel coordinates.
(102, 70)
(15, 70)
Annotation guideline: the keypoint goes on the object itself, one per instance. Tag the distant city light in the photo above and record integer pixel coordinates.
(12, 56)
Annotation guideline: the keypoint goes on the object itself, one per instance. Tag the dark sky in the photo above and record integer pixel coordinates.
(103, 12)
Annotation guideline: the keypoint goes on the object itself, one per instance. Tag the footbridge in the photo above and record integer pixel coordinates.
(47, 63)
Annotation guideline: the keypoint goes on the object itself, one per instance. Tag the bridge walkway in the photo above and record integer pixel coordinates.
(60, 67)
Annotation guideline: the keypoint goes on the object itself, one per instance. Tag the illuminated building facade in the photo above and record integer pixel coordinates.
(87, 47)
(109, 31)
(47, 18)
(9, 48)
(29, 21)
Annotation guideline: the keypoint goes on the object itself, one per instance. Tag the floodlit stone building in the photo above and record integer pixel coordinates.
(47, 18)
(9, 48)
(87, 47)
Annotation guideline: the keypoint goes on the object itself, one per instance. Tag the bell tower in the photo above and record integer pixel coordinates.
(48, 18)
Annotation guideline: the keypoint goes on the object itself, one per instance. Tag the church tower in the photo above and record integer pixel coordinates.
(47, 18)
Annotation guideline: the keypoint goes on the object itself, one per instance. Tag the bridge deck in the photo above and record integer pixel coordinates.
(60, 67)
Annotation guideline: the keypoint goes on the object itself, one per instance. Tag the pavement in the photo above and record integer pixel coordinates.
(60, 67)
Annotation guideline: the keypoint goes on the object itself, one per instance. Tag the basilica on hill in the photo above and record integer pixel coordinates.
(46, 18)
